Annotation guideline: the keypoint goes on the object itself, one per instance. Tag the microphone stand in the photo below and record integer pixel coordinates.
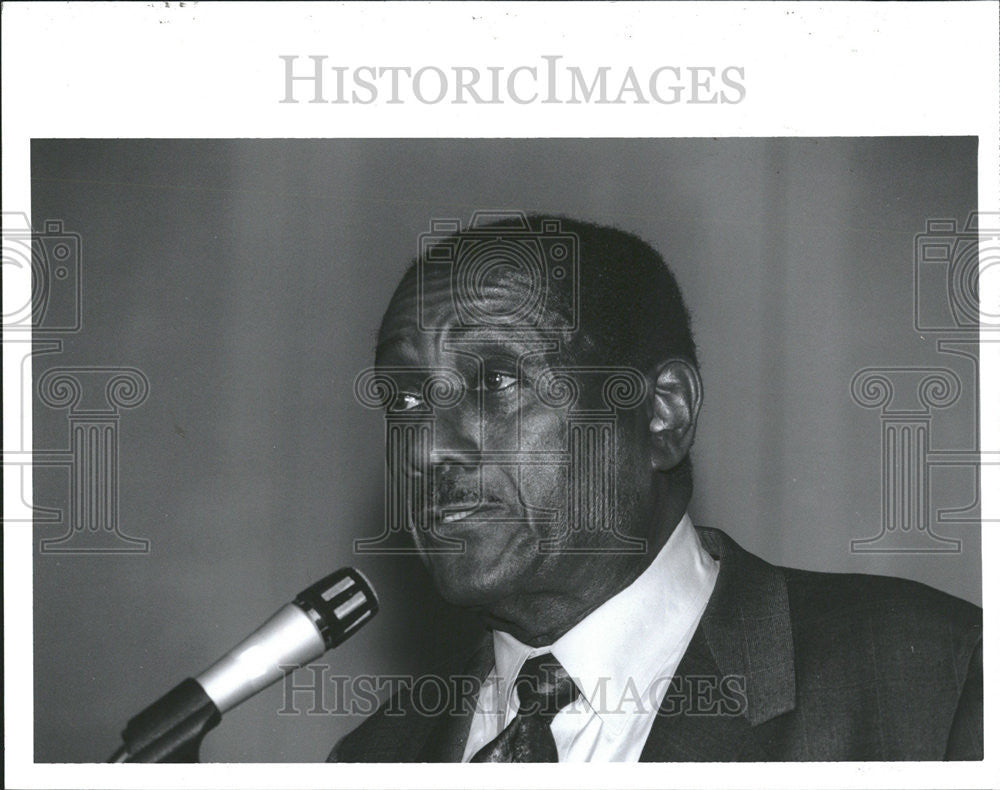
(319, 618)
(171, 729)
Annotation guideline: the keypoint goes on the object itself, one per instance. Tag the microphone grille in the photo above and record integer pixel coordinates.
(339, 604)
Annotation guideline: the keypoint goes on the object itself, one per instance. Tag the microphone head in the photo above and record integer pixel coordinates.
(339, 604)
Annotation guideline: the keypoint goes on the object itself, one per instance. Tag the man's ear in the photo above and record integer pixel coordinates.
(675, 405)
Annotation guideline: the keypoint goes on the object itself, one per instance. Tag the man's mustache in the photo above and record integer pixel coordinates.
(448, 491)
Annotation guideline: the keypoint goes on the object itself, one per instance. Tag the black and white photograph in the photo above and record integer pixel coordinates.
(650, 335)
(412, 449)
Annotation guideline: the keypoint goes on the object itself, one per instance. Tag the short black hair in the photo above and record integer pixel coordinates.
(631, 307)
(631, 310)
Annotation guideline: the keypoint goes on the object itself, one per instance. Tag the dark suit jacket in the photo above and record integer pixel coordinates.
(785, 665)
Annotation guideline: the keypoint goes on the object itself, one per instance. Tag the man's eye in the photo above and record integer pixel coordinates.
(496, 381)
(405, 401)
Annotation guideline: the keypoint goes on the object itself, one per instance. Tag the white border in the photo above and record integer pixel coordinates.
(212, 70)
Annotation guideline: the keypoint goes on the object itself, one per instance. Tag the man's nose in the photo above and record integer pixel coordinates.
(451, 445)
(456, 442)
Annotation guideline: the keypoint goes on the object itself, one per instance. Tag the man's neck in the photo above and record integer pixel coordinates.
(539, 619)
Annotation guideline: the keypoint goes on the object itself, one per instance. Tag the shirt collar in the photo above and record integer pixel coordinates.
(618, 650)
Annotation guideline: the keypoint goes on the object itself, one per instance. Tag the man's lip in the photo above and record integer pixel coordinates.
(450, 514)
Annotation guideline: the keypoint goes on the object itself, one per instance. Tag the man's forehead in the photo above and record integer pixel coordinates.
(401, 333)
(506, 304)
(412, 345)
(434, 315)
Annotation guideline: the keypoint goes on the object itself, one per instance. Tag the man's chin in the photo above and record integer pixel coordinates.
(472, 583)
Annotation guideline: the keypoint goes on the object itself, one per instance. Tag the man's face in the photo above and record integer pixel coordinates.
(499, 465)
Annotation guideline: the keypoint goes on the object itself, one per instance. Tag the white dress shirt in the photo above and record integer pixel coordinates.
(622, 656)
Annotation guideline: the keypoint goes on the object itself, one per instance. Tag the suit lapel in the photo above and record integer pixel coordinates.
(446, 737)
(738, 672)
(686, 728)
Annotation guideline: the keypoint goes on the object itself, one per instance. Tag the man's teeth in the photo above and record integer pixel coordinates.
(456, 516)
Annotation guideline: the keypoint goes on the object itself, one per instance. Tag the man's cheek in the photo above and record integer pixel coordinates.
(543, 428)
(544, 493)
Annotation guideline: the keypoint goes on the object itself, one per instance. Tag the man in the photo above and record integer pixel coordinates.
(552, 364)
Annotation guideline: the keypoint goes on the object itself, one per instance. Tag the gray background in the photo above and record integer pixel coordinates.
(246, 279)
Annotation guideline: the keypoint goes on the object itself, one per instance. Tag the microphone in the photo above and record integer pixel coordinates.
(320, 618)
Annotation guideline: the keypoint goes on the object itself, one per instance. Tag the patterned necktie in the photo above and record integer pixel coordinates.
(543, 689)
